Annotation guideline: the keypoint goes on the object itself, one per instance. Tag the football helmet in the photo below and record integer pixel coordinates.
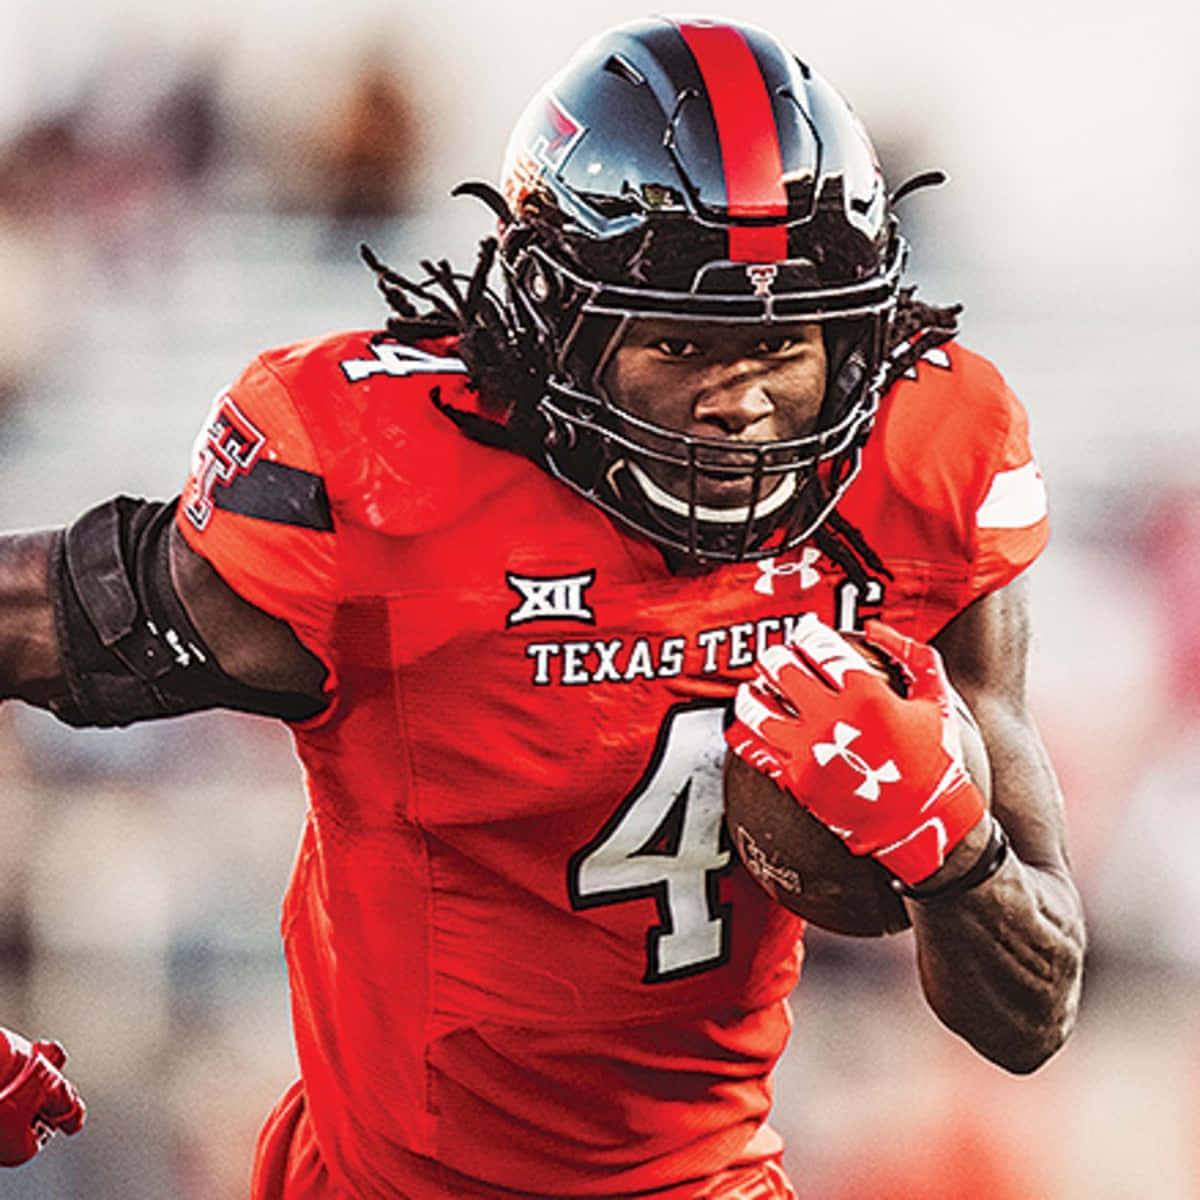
(695, 170)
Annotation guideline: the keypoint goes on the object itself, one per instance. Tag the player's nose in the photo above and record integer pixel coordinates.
(734, 402)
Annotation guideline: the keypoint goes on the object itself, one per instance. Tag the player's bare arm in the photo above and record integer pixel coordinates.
(1002, 963)
(255, 648)
(58, 643)
(30, 665)
(999, 928)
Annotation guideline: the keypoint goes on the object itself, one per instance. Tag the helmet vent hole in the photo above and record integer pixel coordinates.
(624, 69)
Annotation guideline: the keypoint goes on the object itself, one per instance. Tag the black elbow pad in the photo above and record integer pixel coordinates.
(130, 652)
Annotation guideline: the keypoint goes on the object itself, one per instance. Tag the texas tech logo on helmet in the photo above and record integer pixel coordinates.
(541, 142)
(762, 275)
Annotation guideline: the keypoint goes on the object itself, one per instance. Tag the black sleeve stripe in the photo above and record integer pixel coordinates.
(272, 491)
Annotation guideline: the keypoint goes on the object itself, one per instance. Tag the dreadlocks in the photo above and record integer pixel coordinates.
(504, 366)
(914, 319)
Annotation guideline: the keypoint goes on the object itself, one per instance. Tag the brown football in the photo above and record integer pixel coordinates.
(804, 866)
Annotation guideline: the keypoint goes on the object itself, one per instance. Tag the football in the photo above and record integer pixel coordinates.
(809, 869)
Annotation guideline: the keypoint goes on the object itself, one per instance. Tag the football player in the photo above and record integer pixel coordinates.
(503, 565)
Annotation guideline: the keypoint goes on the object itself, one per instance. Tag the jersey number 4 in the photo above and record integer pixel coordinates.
(667, 841)
(391, 358)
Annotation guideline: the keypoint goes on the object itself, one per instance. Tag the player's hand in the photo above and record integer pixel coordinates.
(882, 771)
(36, 1099)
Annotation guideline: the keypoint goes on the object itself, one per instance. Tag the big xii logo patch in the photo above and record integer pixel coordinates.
(557, 598)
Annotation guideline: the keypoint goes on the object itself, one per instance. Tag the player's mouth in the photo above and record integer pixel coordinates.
(720, 500)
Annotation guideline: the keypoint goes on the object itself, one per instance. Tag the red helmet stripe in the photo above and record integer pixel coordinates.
(750, 153)
(757, 243)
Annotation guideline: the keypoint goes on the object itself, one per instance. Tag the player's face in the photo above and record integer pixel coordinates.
(719, 382)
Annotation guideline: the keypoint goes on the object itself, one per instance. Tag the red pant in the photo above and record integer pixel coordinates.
(288, 1166)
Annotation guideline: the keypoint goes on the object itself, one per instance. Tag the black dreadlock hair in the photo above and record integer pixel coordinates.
(506, 369)
(914, 317)
(503, 368)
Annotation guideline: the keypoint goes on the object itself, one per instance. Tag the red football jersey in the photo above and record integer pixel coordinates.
(522, 954)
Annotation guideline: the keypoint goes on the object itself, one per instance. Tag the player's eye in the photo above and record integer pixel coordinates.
(777, 345)
(676, 347)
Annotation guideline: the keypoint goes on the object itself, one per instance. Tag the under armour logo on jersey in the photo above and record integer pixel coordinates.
(226, 448)
(762, 275)
(559, 598)
(771, 570)
(844, 736)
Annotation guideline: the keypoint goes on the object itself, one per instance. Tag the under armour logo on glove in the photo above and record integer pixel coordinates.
(883, 771)
(844, 737)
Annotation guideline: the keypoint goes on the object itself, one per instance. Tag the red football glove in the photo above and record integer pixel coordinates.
(882, 771)
(36, 1099)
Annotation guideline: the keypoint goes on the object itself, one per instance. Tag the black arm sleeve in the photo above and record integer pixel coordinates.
(129, 650)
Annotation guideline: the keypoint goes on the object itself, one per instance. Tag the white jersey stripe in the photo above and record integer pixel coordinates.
(1015, 500)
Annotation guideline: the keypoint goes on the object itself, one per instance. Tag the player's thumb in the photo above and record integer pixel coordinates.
(921, 663)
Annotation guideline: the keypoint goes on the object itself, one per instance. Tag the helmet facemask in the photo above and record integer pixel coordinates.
(622, 461)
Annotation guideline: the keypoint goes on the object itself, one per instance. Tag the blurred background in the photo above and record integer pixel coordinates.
(182, 185)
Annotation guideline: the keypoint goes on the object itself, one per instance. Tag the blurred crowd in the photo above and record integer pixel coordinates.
(100, 185)
(162, 220)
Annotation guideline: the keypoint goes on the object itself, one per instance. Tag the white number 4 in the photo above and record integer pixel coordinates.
(391, 358)
(665, 841)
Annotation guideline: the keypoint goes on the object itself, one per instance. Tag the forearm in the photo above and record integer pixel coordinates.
(1002, 965)
(30, 664)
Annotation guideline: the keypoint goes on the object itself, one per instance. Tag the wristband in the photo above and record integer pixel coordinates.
(985, 866)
